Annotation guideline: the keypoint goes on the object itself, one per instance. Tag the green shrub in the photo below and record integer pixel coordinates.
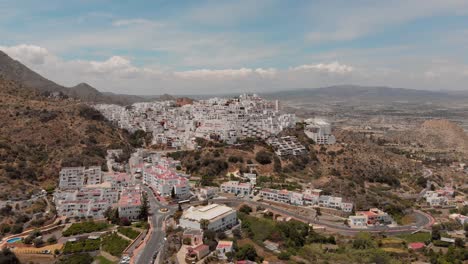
(114, 244)
(85, 227)
(128, 232)
(263, 157)
(85, 245)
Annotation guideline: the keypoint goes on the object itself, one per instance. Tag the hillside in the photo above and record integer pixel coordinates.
(437, 134)
(39, 135)
(359, 170)
(13, 70)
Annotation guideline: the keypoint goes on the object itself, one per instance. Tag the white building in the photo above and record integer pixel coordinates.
(237, 188)
(76, 177)
(218, 217)
(434, 199)
(89, 201)
(357, 221)
(224, 247)
(161, 175)
(207, 193)
(308, 197)
(223, 119)
(286, 146)
(252, 177)
(130, 201)
(319, 131)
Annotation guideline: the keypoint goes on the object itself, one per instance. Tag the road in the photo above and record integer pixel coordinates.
(156, 242)
(421, 220)
(157, 237)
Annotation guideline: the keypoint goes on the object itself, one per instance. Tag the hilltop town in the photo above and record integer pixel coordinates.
(224, 179)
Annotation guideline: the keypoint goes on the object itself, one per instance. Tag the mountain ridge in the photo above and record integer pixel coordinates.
(14, 70)
(357, 92)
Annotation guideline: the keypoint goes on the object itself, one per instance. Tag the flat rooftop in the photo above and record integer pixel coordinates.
(208, 212)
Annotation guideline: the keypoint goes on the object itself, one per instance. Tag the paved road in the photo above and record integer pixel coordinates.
(421, 220)
(157, 237)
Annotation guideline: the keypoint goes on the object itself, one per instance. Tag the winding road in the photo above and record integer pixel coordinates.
(422, 220)
(156, 240)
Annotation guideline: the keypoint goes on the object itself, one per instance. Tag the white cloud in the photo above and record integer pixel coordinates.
(216, 74)
(27, 53)
(226, 73)
(119, 74)
(115, 63)
(270, 72)
(334, 67)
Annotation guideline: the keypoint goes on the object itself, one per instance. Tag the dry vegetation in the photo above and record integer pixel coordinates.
(39, 135)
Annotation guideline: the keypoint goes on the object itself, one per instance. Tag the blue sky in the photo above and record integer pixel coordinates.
(153, 47)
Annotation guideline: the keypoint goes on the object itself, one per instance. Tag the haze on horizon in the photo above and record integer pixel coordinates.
(156, 47)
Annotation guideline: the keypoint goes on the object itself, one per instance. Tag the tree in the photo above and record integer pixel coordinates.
(18, 228)
(124, 221)
(38, 242)
(363, 241)
(52, 240)
(284, 255)
(187, 241)
(318, 212)
(204, 224)
(245, 209)
(435, 232)
(263, 157)
(459, 242)
(144, 208)
(237, 233)
(247, 252)
(277, 164)
(7, 257)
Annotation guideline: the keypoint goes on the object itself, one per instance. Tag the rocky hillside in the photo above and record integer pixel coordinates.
(39, 135)
(437, 134)
(11, 69)
(359, 169)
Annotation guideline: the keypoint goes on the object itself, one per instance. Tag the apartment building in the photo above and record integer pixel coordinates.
(72, 178)
(237, 188)
(129, 204)
(435, 199)
(76, 177)
(207, 193)
(89, 201)
(166, 182)
(286, 146)
(319, 131)
(308, 197)
(213, 217)
(87, 192)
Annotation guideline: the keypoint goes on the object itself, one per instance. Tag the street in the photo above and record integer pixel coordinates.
(157, 236)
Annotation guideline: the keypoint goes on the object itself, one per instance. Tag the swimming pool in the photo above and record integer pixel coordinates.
(13, 240)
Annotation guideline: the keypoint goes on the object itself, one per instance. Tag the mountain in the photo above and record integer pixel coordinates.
(14, 70)
(38, 135)
(362, 93)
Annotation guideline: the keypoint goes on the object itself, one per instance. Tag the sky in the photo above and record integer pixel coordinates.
(204, 47)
